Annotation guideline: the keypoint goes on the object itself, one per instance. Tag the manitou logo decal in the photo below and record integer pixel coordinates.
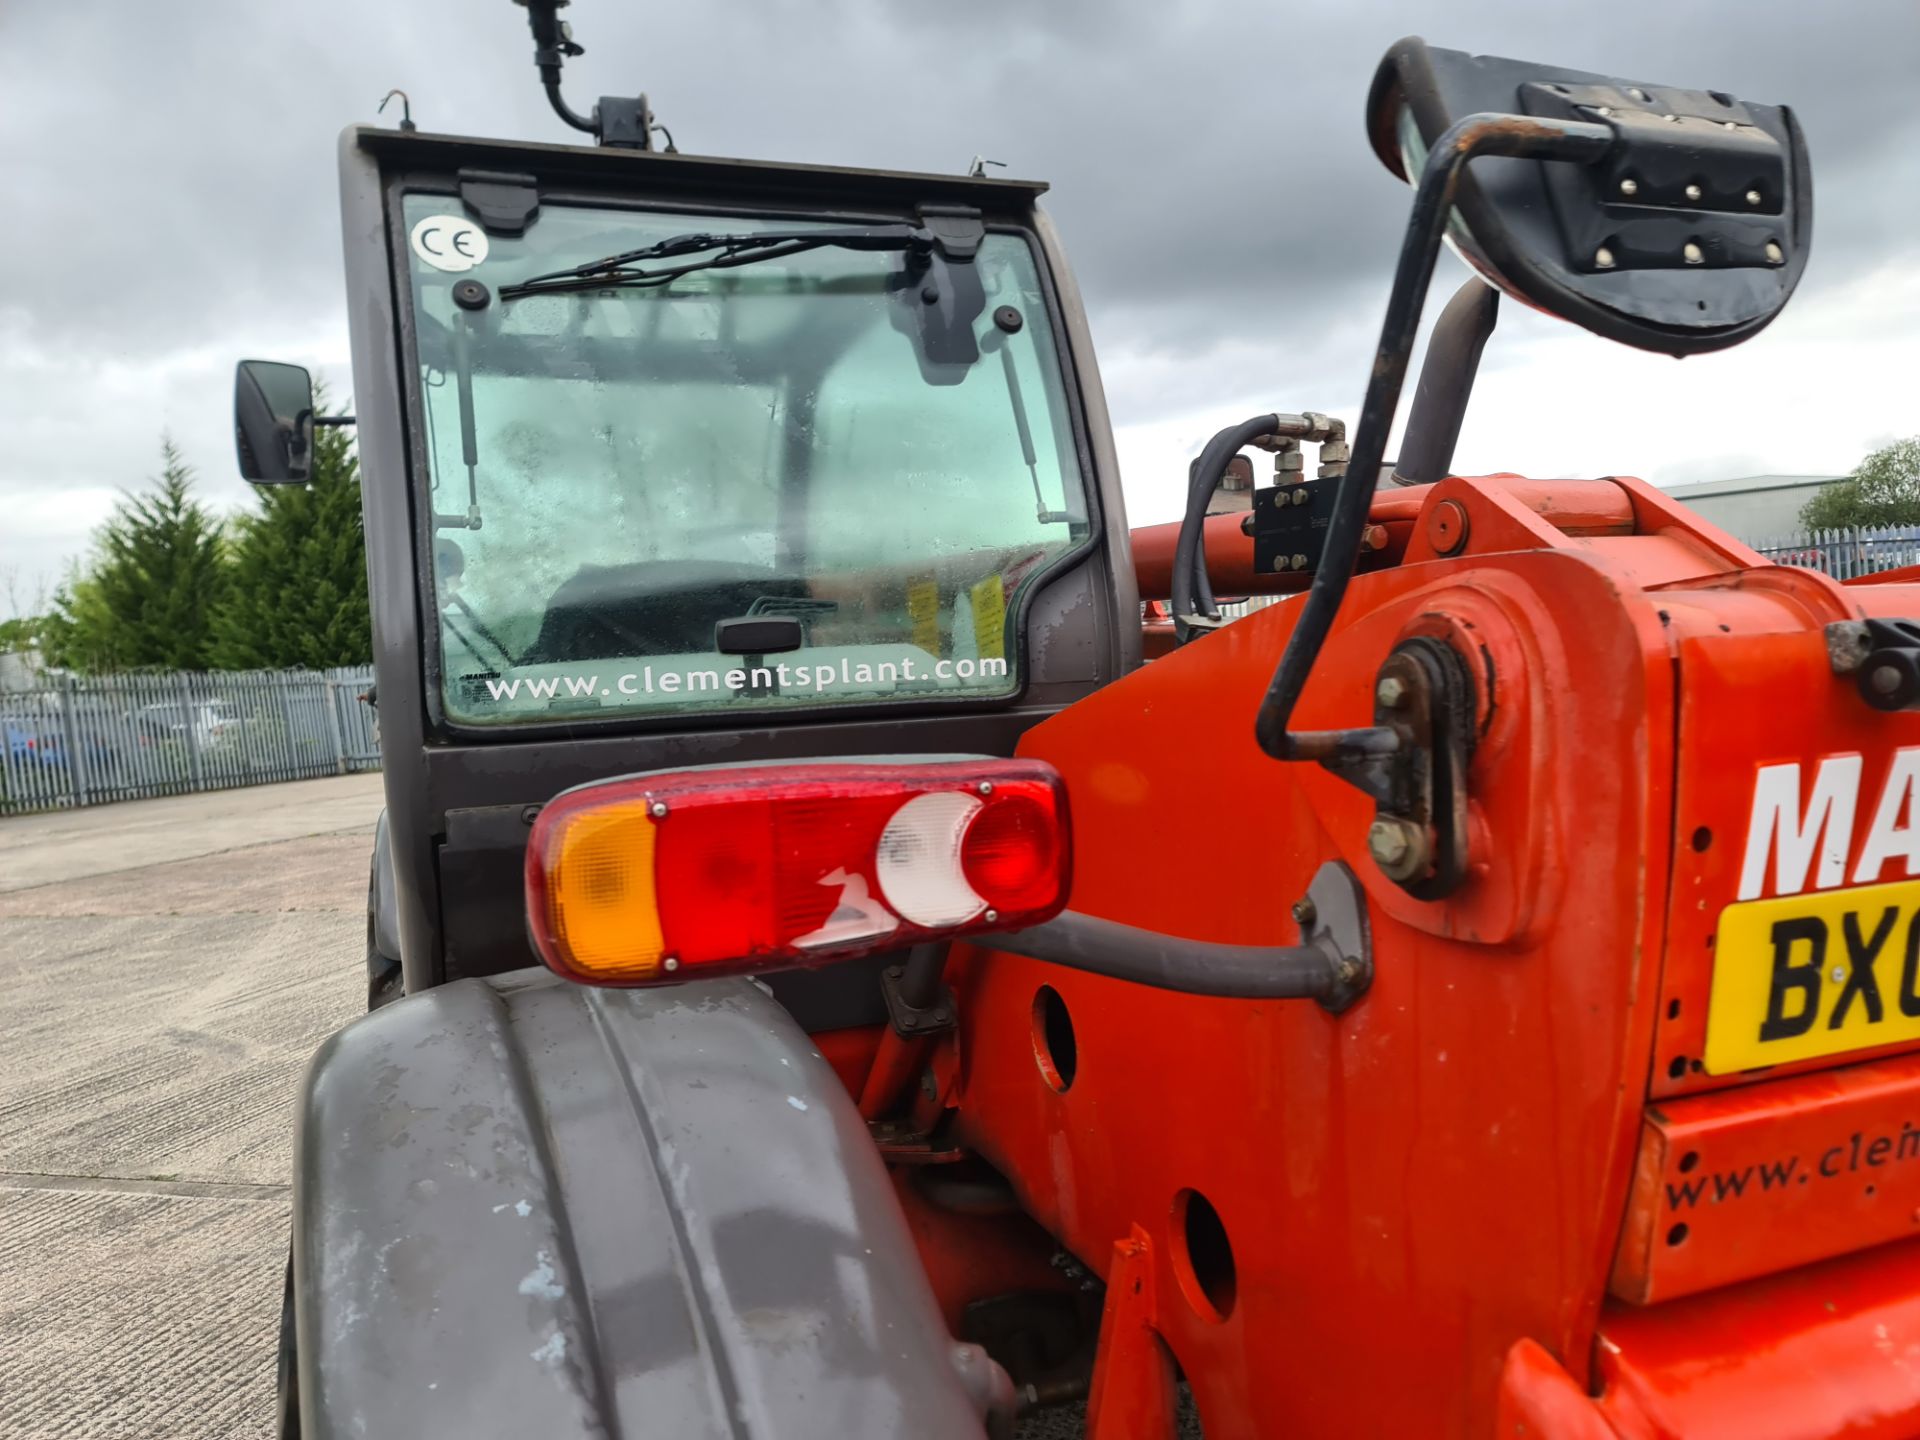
(1793, 830)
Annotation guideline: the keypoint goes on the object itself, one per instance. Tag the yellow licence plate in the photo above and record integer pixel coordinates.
(1811, 975)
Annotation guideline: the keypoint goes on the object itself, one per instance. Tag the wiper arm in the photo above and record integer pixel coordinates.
(716, 252)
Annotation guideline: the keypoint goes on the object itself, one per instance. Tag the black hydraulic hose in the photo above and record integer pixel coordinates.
(1520, 136)
(1191, 591)
(1168, 962)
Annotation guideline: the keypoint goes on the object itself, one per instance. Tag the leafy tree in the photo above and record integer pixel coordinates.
(20, 633)
(299, 591)
(151, 588)
(1884, 489)
(21, 629)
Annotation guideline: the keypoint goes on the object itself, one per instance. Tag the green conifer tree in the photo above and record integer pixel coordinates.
(148, 594)
(299, 590)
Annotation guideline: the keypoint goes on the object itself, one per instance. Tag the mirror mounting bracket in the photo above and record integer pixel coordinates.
(1691, 181)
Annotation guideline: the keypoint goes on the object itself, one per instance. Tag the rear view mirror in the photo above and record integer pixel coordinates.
(1687, 235)
(273, 421)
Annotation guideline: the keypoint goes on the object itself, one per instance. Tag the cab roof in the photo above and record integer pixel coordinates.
(654, 171)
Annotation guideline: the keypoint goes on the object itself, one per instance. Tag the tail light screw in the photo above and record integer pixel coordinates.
(669, 964)
(986, 787)
(991, 916)
(658, 809)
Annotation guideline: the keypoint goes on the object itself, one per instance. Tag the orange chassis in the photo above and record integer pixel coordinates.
(1483, 1200)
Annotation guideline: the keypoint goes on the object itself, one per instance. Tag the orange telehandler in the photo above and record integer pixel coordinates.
(1543, 1064)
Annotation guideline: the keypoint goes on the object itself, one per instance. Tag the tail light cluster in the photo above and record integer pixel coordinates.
(685, 874)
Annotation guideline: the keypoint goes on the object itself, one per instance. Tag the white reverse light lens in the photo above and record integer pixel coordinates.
(918, 860)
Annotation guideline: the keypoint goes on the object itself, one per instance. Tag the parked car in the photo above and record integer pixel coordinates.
(213, 721)
(29, 741)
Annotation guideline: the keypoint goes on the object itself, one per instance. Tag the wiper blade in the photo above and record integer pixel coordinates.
(716, 252)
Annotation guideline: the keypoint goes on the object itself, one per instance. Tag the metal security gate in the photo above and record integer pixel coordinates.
(1847, 554)
(88, 741)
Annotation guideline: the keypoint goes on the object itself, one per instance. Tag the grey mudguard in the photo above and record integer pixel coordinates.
(527, 1208)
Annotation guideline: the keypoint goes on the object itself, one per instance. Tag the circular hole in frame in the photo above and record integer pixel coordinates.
(1203, 1261)
(1054, 1047)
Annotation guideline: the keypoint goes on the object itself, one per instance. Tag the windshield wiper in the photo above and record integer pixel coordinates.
(718, 252)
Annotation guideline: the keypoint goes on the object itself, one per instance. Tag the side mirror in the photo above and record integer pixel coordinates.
(273, 421)
(1687, 234)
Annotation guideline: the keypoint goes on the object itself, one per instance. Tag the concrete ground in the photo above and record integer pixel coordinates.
(167, 967)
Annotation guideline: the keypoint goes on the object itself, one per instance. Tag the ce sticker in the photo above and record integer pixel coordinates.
(448, 242)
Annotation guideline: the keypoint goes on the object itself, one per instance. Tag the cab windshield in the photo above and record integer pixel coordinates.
(746, 489)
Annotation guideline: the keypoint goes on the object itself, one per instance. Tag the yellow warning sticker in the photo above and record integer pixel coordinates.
(923, 609)
(990, 618)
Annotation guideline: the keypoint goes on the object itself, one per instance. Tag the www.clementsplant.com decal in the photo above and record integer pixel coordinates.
(1858, 1155)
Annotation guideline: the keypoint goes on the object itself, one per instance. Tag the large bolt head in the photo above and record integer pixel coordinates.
(1387, 842)
(1391, 692)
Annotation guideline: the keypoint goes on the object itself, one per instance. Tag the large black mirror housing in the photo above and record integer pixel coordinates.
(1687, 235)
(273, 422)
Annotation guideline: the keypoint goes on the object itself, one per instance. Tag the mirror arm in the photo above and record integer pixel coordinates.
(334, 420)
(1514, 136)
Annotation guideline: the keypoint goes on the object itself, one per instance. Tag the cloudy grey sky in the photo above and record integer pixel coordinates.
(169, 175)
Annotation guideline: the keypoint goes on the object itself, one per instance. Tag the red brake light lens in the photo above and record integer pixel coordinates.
(718, 871)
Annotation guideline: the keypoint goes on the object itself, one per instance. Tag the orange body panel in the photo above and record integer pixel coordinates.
(1539, 1401)
(1826, 1350)
(1413, 1188)
(850, 1052)
(1753, 1180)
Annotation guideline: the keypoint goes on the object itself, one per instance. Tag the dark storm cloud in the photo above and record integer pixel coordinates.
(175, 166)
(170, 169)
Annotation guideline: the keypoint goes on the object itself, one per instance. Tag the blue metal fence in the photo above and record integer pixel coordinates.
(75, 740)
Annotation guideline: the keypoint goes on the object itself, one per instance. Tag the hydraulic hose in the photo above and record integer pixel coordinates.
(1170, 962)
(1192, 593)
